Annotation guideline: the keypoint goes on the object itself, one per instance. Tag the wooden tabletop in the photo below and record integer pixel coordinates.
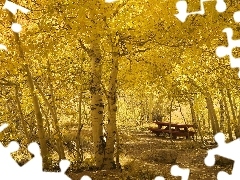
(173, 125)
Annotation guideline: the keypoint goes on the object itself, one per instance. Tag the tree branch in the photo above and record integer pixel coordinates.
(89, 51)
(118, 9)
(7, 83)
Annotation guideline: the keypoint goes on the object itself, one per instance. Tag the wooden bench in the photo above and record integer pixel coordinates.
(177, 130)
(158, 131)
(188, 134)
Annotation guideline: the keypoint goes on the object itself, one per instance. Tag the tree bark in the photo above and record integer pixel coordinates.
(54, 115)
(196, 125)
(151, 107)
(213, 115)
(231, 106)
(192, 111)
(56, 126)
(227, 116)
(210, 121)
(80, 126)
(21, 116)
(97, 105)
(97, 111)
(80, 123)
(221, 113)
(170, 118)
(38, 114)
(112, 113)
(238, 117)
(199, 129)
(210, 106)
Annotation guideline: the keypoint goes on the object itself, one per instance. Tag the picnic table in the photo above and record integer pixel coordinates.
(177, 130)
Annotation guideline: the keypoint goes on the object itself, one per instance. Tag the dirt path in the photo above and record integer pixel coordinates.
(135, 167)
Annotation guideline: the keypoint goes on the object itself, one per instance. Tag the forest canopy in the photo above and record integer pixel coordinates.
(105, 66)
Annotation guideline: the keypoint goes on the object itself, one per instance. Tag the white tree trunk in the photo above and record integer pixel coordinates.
(112, 110)
(97, 107)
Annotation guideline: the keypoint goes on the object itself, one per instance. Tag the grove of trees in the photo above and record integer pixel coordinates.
(113, 65)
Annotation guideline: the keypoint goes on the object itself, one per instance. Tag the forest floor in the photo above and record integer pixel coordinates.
(135, 165)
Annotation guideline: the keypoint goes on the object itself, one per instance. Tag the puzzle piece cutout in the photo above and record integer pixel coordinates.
(33, 168)
(64, 164)
(35, 164)
(227, 150)
(236, 16)
(182, 9)
(10, 169)
(9, 163)
(3, 47)
(85, 177)
(110, 1)
(222, 51)
(3, 126)
(5, 155)
(12, 7)
(159, 178)
(177, 171)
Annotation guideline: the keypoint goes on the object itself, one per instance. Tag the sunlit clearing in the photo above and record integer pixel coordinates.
(3, 47)
(16, 27)
(12, 7)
